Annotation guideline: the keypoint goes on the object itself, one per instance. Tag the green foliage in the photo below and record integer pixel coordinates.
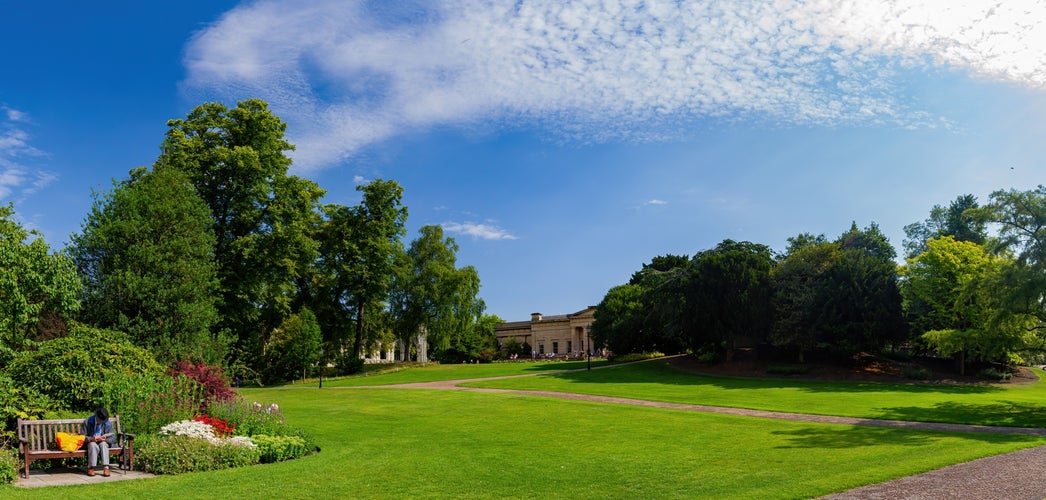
(953, 294)
(146, 251)
(71, 370)
(787, 369)
(17, 401)
(801, 289)
(261, 217)
(618, 320)
(250, 418)
(349, 364)
(638, 356)
(279, 448)
(958, 221)
(993, 374)
(361, 248)
(430, 291)
(33, 282)
(180, 454)
(294, 348)
(10, 464)
(728, 296)
(148, 401)
(916, 373)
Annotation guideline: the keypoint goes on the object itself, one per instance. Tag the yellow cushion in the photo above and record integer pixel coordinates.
(69, 442)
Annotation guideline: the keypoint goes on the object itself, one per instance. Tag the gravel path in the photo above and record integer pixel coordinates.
(1017, 475)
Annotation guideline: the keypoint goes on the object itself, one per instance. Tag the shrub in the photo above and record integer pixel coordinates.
(348, 365)
(638, 356)
(916, 373)
(69, 369)
(178, 454)
(249, 419)
(279, 448)
(20, 402)
(787, 369)
(993, 374)
(145, 402)
(216, 386)
(9, 465)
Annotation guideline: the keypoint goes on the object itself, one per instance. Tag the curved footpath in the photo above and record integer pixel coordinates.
(1017, 475)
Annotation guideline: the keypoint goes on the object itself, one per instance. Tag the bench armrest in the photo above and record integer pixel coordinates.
(128, 436)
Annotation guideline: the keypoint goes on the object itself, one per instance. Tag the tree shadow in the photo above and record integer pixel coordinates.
(660, 372)
(998, 413)
(846, 437)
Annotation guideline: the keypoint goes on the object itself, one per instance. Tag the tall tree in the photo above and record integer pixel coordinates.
(801, 292)
(958, 220)
(955, 284)
(33, 282)
(619, 319)
(728, 295)
(361, 247)
(432, 292)
(236, 159)
(1021, 219)
(146, 252)
(863, 312)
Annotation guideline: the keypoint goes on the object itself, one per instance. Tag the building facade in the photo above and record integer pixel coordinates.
(563, 336)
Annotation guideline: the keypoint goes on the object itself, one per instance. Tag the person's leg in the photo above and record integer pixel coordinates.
(92, 457)
(105, 457)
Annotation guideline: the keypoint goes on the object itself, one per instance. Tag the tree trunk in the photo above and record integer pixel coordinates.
(358, 348)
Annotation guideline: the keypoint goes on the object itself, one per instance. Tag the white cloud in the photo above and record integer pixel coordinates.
(346, 74)
(477, 231)
(657, 202)
(17, 180)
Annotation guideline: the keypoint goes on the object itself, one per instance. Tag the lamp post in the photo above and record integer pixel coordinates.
(588, 330)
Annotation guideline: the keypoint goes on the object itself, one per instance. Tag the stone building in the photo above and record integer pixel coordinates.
(564, 335)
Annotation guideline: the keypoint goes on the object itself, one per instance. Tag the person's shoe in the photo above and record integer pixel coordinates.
(90, 472)
(105, 472)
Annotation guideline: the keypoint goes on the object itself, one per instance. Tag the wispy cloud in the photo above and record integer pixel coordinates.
(656, 201)
(17, 179)
(477, 231)
(346, 73)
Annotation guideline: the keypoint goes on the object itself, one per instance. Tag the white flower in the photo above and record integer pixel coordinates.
(241, 441)
(190, 428)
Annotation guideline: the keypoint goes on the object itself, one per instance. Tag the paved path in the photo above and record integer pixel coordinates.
(1017, 475)
(74, 475)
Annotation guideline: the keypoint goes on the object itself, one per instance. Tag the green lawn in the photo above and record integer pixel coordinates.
(408, 443)
(434, 372)
(399, 443)
(1020, 405)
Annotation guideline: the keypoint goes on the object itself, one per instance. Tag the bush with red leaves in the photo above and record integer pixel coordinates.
(211, 378)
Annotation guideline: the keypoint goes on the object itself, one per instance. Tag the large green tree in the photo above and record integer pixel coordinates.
(801, 294)
(262, 217)
(728, 296)
(863, 311)
(430, 291)
(146, 252)
(33, 283)
(955, 285)
(293, 348)
(618, 323)
(958, 220)
(1021, 220)
(360, 250)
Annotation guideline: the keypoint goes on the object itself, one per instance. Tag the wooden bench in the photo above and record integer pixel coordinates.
(36, 440)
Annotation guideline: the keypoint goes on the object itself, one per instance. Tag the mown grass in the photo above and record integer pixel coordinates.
(1018, 405)
(435, 372)
(401, 443)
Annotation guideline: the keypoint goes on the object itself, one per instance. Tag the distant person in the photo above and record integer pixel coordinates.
(99, 437)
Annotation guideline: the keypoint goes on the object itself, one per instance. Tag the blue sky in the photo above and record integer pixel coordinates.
(562, 144)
